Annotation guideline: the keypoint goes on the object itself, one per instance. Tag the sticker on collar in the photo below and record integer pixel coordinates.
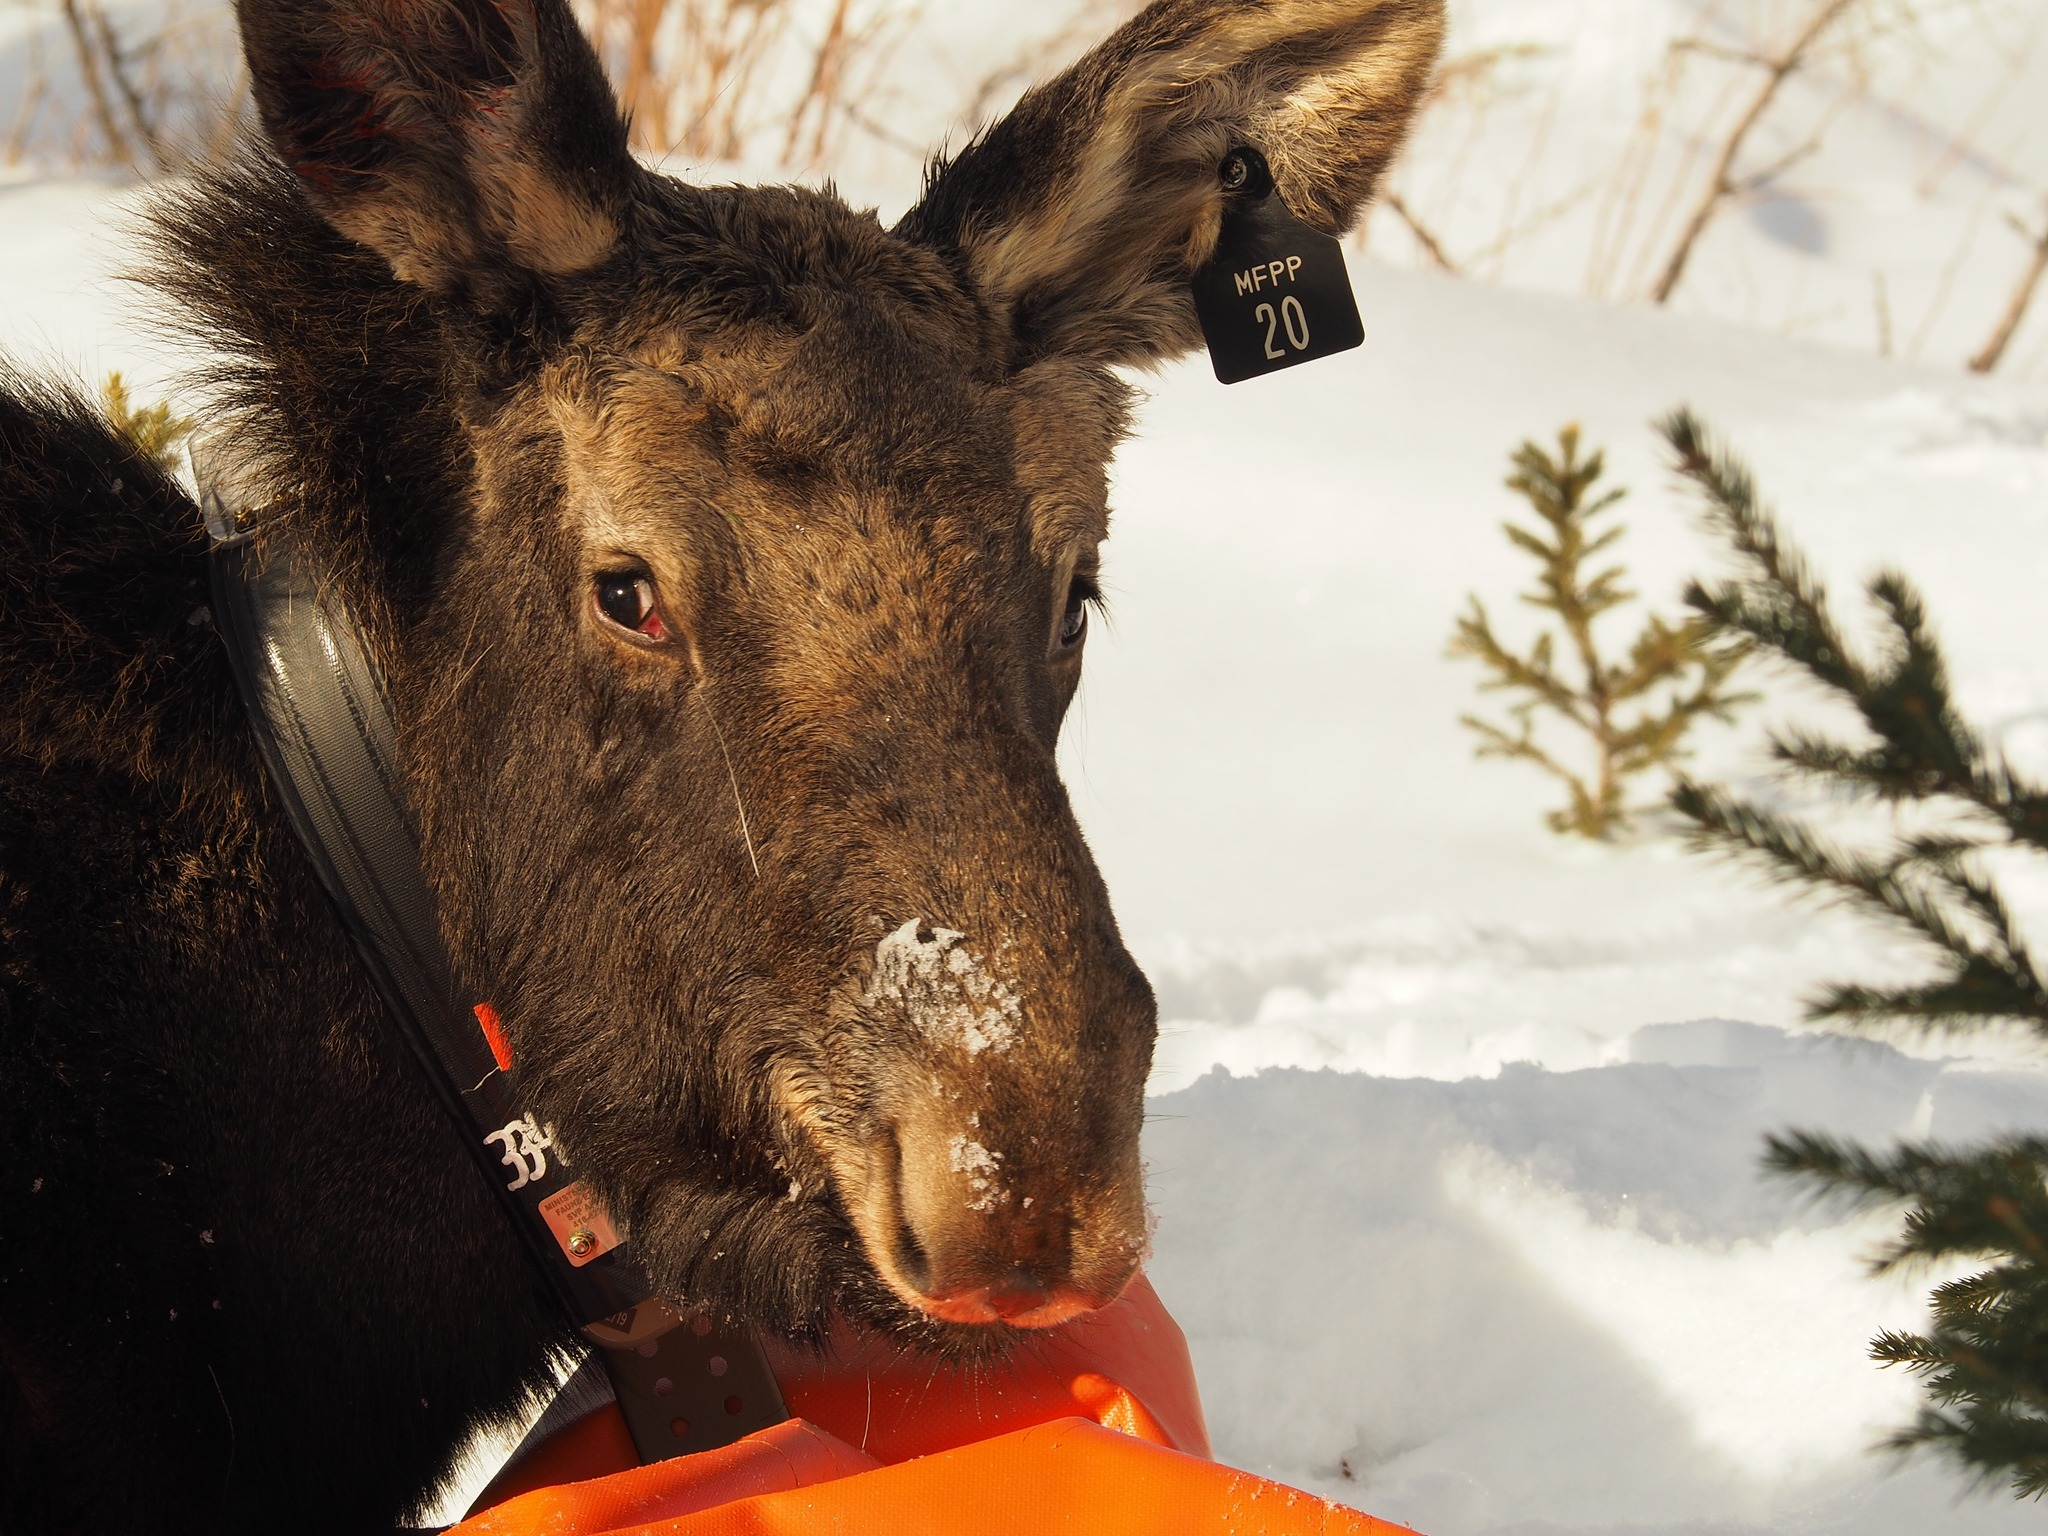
(1276, 293)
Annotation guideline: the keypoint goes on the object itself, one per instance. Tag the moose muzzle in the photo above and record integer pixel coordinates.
(999, 1182)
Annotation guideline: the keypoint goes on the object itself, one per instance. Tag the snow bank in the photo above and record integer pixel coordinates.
(1512, 1299)
(1560, 1302)
(1266, 750)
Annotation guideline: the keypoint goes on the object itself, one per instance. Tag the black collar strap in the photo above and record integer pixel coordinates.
(317, 708)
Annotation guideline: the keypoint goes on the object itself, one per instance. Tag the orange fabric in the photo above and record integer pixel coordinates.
(1067, 1478)
(792, 1454)
(1095, 1429)
(1125, 1366)
(596, 1445)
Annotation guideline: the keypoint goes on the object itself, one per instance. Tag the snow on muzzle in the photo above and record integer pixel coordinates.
(1001, 1182)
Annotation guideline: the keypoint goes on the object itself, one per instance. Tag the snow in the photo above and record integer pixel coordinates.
(982, 1168)
(1574, 166)
(1454, 1124)
(1559, 1301)
(943, 987)
(1468, 1206)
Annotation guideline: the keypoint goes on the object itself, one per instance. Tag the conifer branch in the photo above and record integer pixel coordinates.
(1637, 709)
(1924, 752)
(1983, 1362)
(155, 429)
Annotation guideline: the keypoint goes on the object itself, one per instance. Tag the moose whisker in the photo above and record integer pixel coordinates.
(732, 778)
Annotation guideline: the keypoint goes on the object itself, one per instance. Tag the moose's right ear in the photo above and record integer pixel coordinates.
(1083, 215)
(475, 144)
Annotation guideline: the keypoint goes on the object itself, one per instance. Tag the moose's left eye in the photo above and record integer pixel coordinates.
(627, 599)
(1074, 621)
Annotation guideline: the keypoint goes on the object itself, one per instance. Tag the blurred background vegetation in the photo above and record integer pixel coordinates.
(1870, 173)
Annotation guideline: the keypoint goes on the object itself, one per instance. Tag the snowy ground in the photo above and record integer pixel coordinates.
(1557, 1301)
(1553, 1294)
(1572, 165)
(1456, 1191)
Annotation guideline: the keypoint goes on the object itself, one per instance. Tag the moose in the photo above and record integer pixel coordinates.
(729, 560)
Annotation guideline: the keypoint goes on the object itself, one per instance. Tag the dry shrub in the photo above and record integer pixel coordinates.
(1468, 84)
(1718, 90)
(735, 79)
(147, 90)
(1064, 38)
(1737, 97)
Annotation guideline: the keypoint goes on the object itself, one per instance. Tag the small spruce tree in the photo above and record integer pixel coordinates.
(155, 429)
(1983, 1362)
(1635, 710)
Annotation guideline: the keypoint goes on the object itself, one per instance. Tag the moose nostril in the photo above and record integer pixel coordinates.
(1022, 1292)
(907, 1254)
(912, 1262)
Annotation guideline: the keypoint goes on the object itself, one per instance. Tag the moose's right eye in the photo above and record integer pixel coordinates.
(627, 599)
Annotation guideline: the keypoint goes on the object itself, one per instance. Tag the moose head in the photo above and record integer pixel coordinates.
(732, 557)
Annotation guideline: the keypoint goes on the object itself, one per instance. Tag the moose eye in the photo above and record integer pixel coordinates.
(627, 599)
(1074, 621)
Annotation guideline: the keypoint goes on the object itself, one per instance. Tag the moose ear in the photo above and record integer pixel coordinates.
(474, 144)
(1083, 214)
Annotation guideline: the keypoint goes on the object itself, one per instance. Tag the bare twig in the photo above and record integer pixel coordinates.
(1549, 213)
(1469, 75)
(1756, 181)
(1085, 24)
(1962, 144)
(31, 99)
(696, 75)
(88, 53)
(1424, 237)
(2022, 297)
(1723, 183)
(1707, 48)
(1945, 289)
(1621, 203)
(117, 69)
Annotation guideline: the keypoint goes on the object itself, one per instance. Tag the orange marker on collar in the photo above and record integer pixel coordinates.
(494, 1032)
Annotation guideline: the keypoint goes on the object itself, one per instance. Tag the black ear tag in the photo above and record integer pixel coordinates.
(1276, 293)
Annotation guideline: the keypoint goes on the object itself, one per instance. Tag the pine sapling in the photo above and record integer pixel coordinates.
(1983, 1363)
(1636, 711)
(155, 429)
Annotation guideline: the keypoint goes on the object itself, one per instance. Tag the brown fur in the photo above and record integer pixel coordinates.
(787, 916)
(1083, 213)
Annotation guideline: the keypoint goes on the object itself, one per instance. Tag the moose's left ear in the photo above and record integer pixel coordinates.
(475, 144)
(1083, 214)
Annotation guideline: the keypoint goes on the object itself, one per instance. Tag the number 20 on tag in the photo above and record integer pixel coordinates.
(1276, 293)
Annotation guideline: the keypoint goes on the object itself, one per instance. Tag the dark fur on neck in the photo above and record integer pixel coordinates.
(181, 1336)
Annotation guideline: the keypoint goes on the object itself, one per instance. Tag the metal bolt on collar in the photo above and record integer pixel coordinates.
(582, 1243)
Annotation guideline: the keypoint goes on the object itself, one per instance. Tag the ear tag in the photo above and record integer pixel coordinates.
(1276, 293)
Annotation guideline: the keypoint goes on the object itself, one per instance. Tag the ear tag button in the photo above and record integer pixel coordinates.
(1276, 293)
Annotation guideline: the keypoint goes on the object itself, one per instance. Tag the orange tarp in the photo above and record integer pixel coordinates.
(1125, 1366)
(1066, 1478)
(1096, 1429)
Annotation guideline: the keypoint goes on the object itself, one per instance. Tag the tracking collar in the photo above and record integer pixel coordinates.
(317, 707)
